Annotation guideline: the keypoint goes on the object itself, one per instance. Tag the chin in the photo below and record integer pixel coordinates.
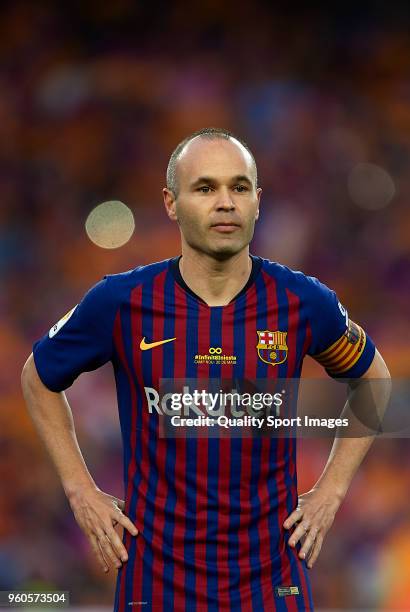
(226, 251)
(219, 249)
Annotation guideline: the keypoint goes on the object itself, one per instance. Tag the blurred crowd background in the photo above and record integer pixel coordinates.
(94, 97)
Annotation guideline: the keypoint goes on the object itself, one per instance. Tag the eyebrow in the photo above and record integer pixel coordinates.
(239, 178)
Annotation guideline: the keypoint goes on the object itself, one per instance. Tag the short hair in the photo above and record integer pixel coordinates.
(210, 133)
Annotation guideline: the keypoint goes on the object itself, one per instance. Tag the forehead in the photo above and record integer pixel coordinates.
(216, 158)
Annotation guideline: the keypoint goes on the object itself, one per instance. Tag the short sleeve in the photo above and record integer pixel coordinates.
(340, 345)
(80, 342)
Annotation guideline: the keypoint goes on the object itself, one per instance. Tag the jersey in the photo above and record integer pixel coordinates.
(209, 511)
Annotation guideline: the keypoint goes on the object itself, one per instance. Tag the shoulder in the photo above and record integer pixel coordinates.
(296, 281)
(104, 298)
(120, 284)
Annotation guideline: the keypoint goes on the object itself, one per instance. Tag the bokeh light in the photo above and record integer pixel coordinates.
(110, 225)
(370, 186)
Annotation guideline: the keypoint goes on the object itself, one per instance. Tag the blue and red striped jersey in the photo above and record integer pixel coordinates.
(209, 511)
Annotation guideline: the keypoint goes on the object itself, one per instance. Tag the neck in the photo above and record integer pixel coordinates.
(216, 282)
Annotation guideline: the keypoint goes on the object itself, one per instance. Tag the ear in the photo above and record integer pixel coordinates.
(170, 203)
(258, 195)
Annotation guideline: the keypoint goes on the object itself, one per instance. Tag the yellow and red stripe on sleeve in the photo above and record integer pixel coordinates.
(345, 352)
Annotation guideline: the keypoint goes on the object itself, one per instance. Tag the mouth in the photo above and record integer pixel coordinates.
(225, 227)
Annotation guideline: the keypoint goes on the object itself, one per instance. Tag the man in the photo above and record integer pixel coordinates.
(210, 523)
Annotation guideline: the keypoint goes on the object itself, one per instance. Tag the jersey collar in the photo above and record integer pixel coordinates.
(174, 267)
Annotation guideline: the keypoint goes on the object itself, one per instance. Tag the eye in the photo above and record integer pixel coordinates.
(204, 189)
(241, 188)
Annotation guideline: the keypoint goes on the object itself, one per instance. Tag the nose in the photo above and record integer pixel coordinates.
(224, 200)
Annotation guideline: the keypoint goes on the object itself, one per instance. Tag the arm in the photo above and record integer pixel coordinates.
(96, 512)
(317, 508)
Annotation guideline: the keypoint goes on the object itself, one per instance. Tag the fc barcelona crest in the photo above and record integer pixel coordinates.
(272, 347)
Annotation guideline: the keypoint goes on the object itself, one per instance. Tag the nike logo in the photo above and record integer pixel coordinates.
(144, 346)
